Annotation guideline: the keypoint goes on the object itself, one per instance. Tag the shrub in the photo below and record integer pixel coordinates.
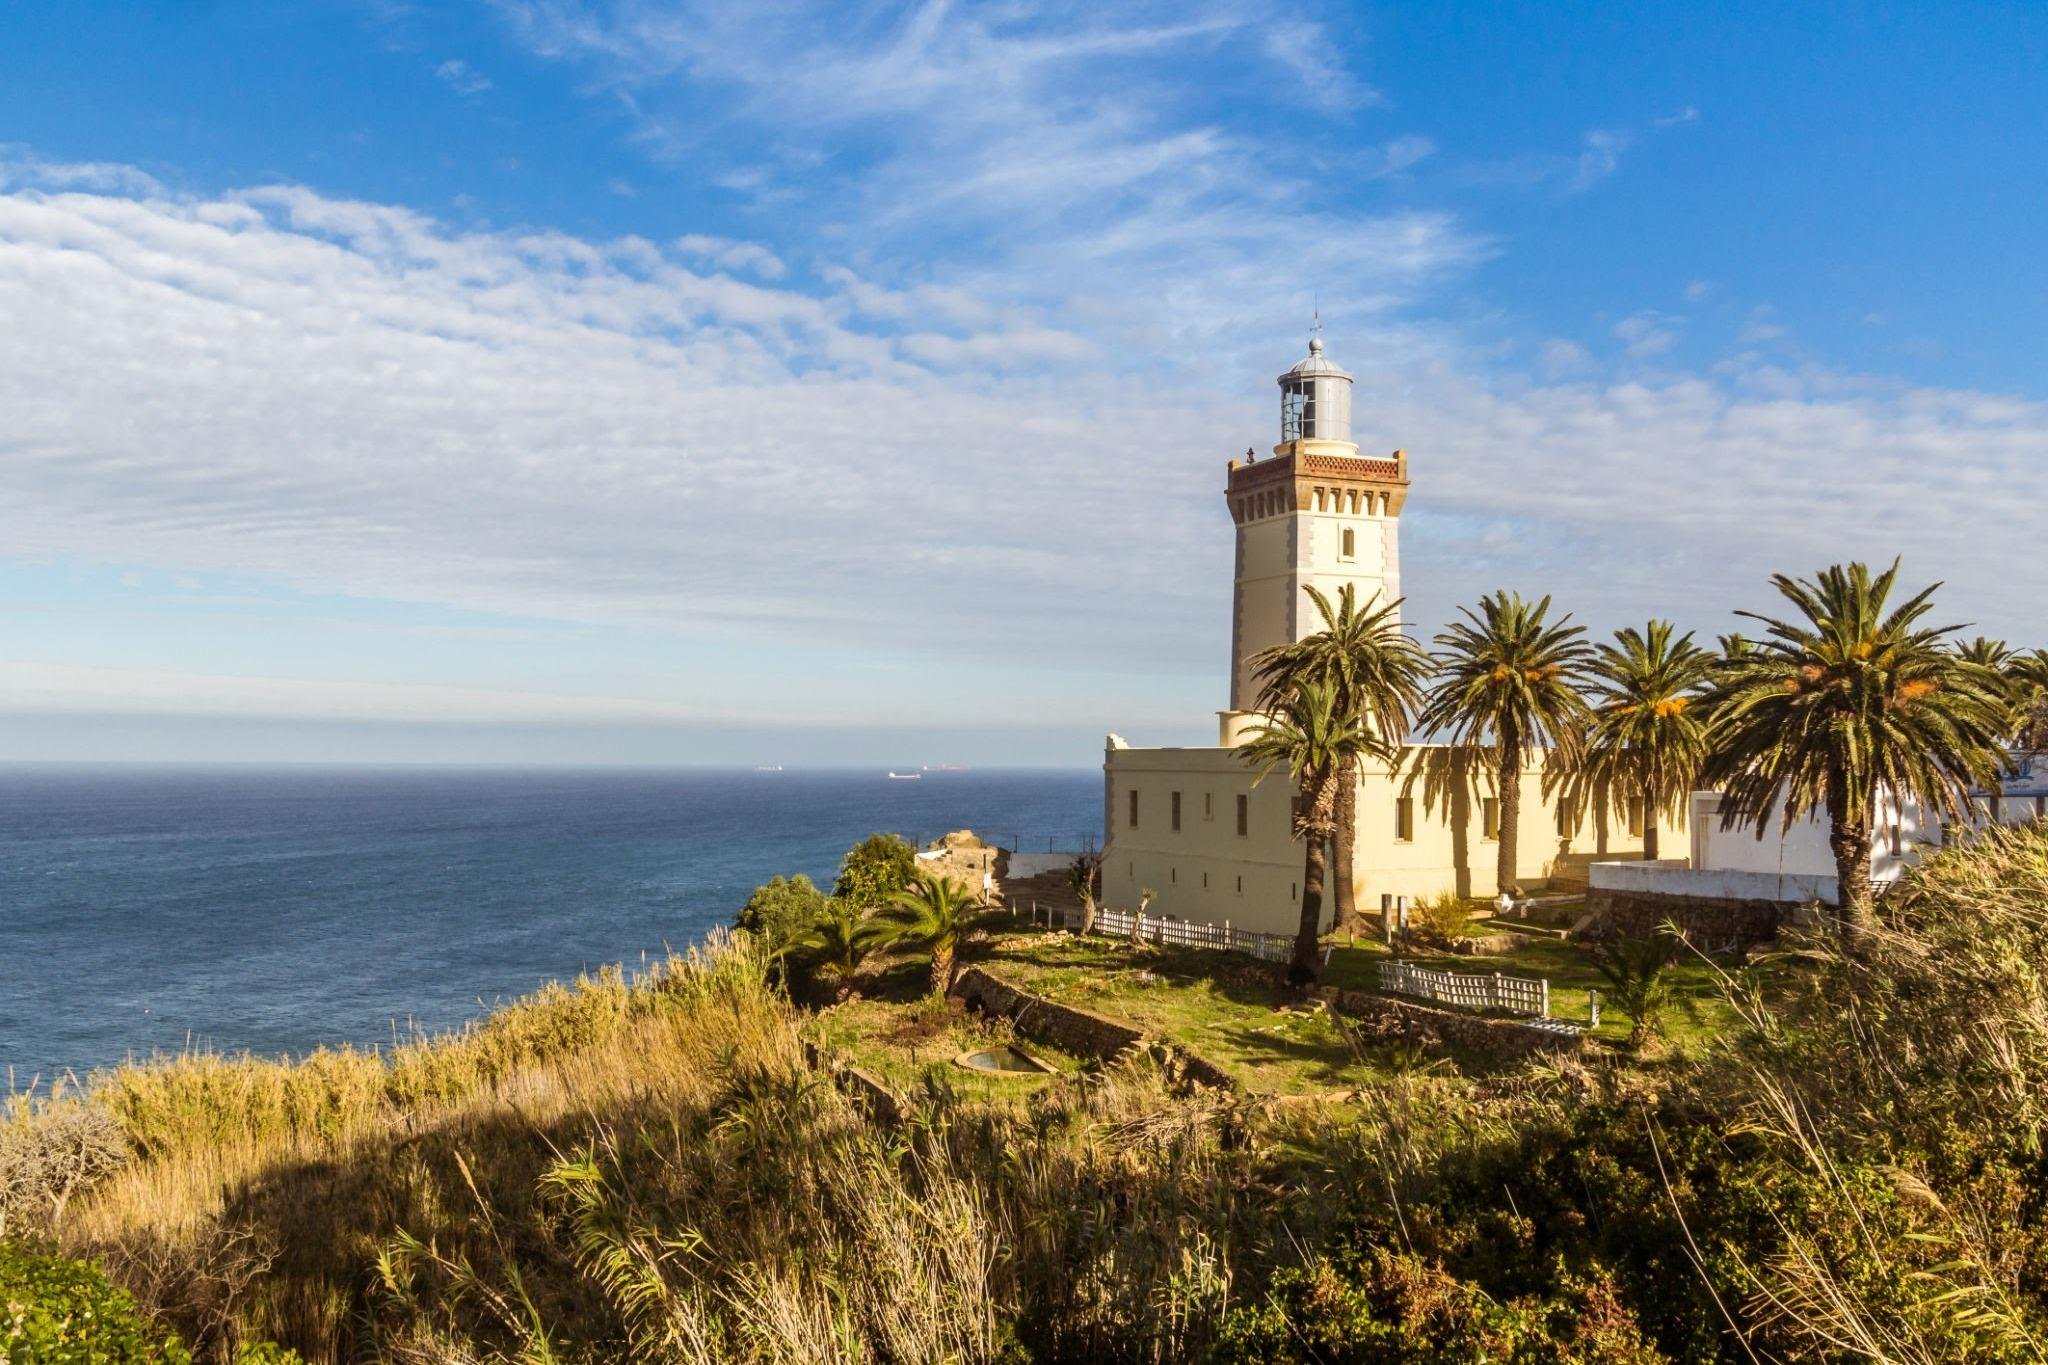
(781, 910)
(1439, 918)
(55, 1311)
(875, 870)
(48, 1152)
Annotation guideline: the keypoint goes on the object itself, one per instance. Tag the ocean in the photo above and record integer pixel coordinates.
(273, 910)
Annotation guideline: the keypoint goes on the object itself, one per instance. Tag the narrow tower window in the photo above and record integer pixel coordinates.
(1404, 819)
(1244, 816)
(1489, 817)
(1134, 808)
(1350, 550)
(1173, 816)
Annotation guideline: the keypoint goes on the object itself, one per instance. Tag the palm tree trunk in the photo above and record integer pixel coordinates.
(1510, 813)
(1649, 825)
(1307, 964)
(942, 968)
(1347, 842)
(1849, 840)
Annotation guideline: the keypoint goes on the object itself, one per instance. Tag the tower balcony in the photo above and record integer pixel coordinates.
(1308, 480)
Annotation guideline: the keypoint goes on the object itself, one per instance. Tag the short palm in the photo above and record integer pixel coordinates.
(1374, 673)
(939, 912)
(1849, 700)
(1648, 735)
(842, 938)
(1507, 683)
(1307, 734)
(2027, 676)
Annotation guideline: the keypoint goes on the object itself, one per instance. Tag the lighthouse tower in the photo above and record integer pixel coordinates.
(1316, 514)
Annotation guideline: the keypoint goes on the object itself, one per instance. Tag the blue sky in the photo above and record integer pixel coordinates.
(659, 382)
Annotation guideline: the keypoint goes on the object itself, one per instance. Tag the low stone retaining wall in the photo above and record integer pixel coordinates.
(1080, 1031)
(1505, 1038)
(882, 1101)
(1708, 921)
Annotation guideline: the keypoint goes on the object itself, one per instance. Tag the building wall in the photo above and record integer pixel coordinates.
(1279, 555)
(1901, 835)
(1205, 870)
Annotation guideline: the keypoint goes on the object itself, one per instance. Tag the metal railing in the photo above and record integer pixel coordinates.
(1509, 994)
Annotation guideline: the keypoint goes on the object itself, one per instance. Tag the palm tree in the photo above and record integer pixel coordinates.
(2027, 675)
(843, 937)
(1850, 700)
(1374, 673)
(1508, 680)
(1306, 733)
(1648, 735)
(937, 911)
(1985, 653)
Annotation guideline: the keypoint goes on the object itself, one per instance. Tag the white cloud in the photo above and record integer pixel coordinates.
(462, 78)
(727, 254)
(1698, 290)
(1559, 357)
(1599, 156)
(1646, 334)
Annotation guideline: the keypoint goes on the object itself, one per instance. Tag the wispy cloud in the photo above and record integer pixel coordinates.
(353, 398)
(462, 78)
(1646, 334)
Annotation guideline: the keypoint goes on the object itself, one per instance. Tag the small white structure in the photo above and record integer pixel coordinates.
(1797, 866)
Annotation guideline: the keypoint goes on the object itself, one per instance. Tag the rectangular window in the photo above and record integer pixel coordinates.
(1205, 881)
(1173, 876)
(1173, 811)
(1404, 819)
(1489, 817)
(1134, 808)
(1564, 820)
(1208, 805)
(1898, 831)
(1350, 550)
(1240, 886)
(1635, 819)
(1244, 816)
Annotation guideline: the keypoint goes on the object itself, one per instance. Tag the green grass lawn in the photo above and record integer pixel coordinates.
(1219, 1006)
(1698, 1009)
(1225, 1008)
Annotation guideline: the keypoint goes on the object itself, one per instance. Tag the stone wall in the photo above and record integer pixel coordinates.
(1708, 921)
(1509, 1039)
(1081, 1032)
(1078, 1031)
(881, 1100)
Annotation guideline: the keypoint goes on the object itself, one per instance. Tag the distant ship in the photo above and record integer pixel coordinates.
(769, 768)
(944, 768)
(906, 777)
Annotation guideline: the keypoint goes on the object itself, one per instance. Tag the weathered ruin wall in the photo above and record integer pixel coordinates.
(1505, 1038)
(1707, 920)
(1080, 1031)
(1075, 1030)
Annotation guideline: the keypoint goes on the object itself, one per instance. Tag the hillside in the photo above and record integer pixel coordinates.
(1847, 1166)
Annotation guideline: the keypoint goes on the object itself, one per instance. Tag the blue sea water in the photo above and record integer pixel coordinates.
(276, 909)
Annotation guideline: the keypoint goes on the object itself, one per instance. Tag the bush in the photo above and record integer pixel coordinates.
(1392, 1308)
(48, 1152)
(55, 1311)
(781, 910)
(874, 870)
(1439, 918)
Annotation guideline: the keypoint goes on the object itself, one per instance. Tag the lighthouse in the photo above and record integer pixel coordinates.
(1315, 514)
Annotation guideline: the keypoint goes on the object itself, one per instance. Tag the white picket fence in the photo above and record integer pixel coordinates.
(1510, 994)
(1188, 933)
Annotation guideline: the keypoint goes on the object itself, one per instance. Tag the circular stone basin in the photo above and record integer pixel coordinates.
(1004, 1060)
